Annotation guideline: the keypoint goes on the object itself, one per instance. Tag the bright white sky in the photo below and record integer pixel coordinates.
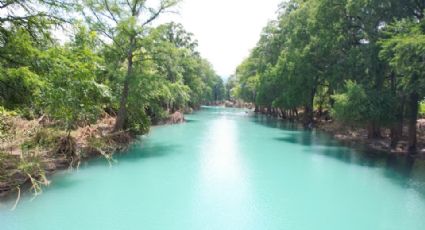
(225, 29)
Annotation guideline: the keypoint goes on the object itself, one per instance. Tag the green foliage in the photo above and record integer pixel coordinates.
(171, 76)
(351, 105)
(422, 109)
(73, 83)
(360, 58)
(404, 50)
(19, 83)
(71, 93)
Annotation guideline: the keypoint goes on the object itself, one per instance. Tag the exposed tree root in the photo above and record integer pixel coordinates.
(18, 198)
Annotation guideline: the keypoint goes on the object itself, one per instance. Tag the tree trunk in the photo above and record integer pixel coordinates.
(397, 127)
(275, 112)
(122, 112)
(413, 117)
(396, 131)
(331, 99)
(373, 131)
(257, 109)
(308, 110)
(281, 113)
(308, 115)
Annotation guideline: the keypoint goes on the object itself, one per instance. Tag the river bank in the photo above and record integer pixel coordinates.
(32, 150)
(232, 104)
(355, 136)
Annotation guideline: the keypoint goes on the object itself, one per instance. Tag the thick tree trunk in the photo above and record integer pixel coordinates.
(257, 109)
(281, 113)
(412, 120)
(122, 112)
(308, 116)
(296, 113)
(373, 131)
(308, 110)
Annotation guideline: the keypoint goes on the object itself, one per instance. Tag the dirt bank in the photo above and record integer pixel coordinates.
(31, 150)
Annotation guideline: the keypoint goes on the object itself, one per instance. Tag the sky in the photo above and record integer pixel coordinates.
(226, 30)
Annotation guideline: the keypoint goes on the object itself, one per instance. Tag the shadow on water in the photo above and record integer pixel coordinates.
(307, 139)
(190, 120)
(275, 123)
(144, 151)
(138, 151)
(405, 171)
(295, 133)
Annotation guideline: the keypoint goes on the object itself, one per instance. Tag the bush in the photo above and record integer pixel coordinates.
(359, 106)
(350, 106)
(138, 122)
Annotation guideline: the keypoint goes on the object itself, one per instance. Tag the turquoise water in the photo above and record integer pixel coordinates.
(226, 169)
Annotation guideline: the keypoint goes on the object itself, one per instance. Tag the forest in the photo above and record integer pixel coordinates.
(67, 64)
(361, 62)
(113, 60)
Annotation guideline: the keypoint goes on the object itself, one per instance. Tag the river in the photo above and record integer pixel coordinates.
(229, 169)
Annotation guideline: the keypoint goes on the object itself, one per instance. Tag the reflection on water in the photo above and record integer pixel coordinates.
(221, 161)
(402, 170)
(223, 179)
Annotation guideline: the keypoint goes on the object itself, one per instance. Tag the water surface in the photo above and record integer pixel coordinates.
(227, 169)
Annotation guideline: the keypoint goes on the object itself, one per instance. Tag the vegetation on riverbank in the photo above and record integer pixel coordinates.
(358, 62)
(81, 78)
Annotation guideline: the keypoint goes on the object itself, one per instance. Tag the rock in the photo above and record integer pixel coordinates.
(176, 118)
(61, 163)
(49, 166)
(5, 188)
(229, 104)
(89, 151)
(188, 110)
(18, 177)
